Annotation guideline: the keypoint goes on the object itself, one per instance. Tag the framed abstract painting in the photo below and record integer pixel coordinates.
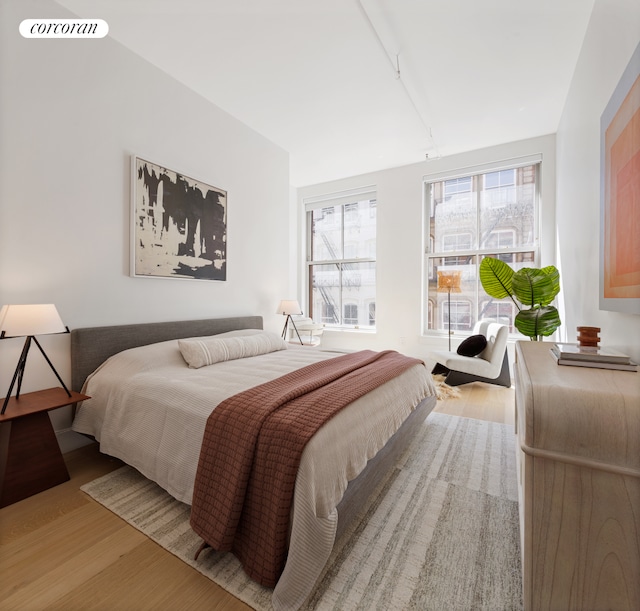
(620, 195)
(178, 225)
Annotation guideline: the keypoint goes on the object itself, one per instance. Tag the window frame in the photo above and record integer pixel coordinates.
(345, 199)
(431, 255)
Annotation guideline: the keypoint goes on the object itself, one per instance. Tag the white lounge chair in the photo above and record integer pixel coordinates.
(491, 365)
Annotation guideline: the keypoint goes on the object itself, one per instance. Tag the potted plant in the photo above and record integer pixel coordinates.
(532, 287)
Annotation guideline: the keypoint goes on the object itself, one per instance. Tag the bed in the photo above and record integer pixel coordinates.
(142, 388)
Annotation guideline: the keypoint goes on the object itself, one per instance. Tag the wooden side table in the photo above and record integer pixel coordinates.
(30, 457)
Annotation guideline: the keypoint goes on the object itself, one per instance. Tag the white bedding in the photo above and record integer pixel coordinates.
(149, 409)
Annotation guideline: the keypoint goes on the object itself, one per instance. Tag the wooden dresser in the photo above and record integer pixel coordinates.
(578, 460)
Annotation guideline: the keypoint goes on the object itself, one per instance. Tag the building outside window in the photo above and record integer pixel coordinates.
(460, 315)
(490, 213)
(502, 311)
(456, 242)
(341, 258)
(350, 314)
(372, 313)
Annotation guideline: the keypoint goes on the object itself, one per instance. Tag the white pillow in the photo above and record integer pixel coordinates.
(199, 352)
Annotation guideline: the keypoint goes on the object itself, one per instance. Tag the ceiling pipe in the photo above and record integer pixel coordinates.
(395, 66)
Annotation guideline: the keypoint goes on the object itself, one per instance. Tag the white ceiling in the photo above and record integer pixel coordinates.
(320, 77)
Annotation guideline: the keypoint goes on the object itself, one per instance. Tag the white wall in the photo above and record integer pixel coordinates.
(612, 36)
(72, 112)
(400, 242)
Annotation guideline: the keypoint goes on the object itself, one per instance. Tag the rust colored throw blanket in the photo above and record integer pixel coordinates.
(251, 451)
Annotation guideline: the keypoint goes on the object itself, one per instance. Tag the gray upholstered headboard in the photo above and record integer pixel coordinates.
(92, 346)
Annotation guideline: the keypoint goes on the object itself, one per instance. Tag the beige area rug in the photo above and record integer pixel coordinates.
(440, 533)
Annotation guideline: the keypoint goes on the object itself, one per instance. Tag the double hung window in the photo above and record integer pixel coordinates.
(341, 258)
(493, 213)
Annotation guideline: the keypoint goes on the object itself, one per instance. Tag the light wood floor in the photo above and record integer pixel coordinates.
(61, 550)
(483, 402)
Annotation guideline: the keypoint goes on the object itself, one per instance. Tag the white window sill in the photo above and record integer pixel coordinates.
(365, 330)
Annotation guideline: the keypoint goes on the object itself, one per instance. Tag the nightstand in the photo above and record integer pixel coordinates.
(30, 457)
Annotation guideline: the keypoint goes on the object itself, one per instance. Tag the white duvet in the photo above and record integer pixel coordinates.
(149, 409)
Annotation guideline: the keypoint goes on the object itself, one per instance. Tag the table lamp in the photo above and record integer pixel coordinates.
(29, 321)
(289, 307)
(449, 282)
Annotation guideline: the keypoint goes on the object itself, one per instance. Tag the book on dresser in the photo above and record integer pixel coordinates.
(590, 353)
(592, 356)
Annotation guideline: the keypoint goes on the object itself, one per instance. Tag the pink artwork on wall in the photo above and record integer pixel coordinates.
(620, 196)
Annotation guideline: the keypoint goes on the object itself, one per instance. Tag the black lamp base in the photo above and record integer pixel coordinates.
(288, 320)
(19, 372)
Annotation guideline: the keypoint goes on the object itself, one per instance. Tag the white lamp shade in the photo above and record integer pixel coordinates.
(289, 307)
(38, 319)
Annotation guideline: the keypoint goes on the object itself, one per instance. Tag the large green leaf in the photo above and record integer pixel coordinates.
(536, 287)
(554, 274)
(495, 276)
(537, 321)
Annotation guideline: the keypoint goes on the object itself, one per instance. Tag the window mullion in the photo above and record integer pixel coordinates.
(342, 254)
(341, 285)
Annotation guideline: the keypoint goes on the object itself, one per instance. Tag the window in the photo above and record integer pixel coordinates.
(457, 186)
(328, 315)
(460, 316)
(351, 214)
(497, 180)
(350, 314)
(501, 239)
(372, 313)
(341, 258)
(456, 241)
(501, 311)
(491, 213)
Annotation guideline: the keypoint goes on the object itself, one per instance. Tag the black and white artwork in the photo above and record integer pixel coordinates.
(179, 225)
